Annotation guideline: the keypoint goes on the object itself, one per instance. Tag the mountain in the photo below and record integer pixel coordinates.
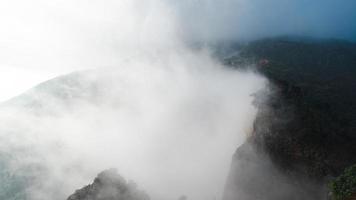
(307, 125)
(65, 90)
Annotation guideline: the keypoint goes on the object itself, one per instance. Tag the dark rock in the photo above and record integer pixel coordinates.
(109, 185)
(307, 125)
(253, 176)
(309, 119)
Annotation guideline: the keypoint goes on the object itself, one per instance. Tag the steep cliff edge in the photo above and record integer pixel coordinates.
(307, 125)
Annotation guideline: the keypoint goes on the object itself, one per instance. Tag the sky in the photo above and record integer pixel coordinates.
(251, 19)
(14, 80)
(41, 39)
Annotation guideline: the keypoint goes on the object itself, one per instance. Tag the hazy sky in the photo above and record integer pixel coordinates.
(39, 39)
(250, 19)
(16, 80)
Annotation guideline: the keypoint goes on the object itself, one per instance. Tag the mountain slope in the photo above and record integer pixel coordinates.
(307, 125)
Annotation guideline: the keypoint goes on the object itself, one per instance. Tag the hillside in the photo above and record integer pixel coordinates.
(307, 125)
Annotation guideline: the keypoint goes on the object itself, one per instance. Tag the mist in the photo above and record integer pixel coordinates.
(121, 88)
(173, 132)
(62, 36)
(138, 99)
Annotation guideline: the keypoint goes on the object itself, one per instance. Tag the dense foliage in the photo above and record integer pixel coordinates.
(306, 122)
(344, 186)
(309, 121)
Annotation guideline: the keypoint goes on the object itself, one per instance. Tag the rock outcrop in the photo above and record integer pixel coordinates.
(109, 185)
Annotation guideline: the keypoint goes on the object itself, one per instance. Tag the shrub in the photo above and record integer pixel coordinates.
(345, 185)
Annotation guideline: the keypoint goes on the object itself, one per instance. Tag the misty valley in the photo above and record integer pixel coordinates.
(177, 100)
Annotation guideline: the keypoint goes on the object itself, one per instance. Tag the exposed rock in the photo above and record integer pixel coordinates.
(109, 185)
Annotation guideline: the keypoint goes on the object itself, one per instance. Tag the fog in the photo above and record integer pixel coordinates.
(170, 128)
(61, 36)
(166, 116)
(139, 100)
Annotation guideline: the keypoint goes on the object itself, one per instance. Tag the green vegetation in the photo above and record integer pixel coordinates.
(344, 186)
(314, 103)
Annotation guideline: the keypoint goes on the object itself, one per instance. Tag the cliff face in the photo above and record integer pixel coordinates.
(307, 125)
(253, 176)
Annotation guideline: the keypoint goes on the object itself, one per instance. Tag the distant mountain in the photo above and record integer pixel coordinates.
(23, 167)
(64, 90)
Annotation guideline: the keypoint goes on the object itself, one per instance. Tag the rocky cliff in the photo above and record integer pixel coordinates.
(306, 127)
